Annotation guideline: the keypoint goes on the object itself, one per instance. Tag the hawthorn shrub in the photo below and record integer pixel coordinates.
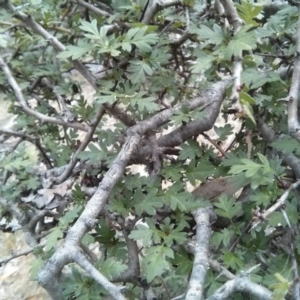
(161, 72)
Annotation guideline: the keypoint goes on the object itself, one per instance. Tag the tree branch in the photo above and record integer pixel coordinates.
(83, 145)
(113, 290)
(293, 123)
(204, 218)
(277, 205)
(19, 95)
(241, 283)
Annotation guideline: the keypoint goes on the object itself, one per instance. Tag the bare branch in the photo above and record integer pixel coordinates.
(293, 123)
(82, 146)
(6, 259)
(296, 284)
(216, 94)
(30, 22)
(269, 136)
(113, 290)
(236, 22)
(27, 109)
(31, 139)
(203, 217)
(243, 284)
(92, 8)
(154, 6)
(277, 205)
(133, 272)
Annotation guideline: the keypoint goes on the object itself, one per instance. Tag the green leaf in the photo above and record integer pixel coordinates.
(281, 288)
(144, 104)
(147, 204)
(32, 183)
(12, 164)
(223, 131)
(189, 150)
(138, 37)
(70, 216)
(3, 41)
(243, 40)
(224, 237)
(105, 234)
(264, 160)
(248, 11)
(231, 260)
(254, 78)
(155, 262)
(227, 208)
(183, 262)
(286, 145)
(214, 36)
(199, 173)
(137, 71)
(92, 27)
(52, 238)
(248, 165)
(111, 267)
(171, 234)
(142, 233)
(175, 198)
(74, 52)
(173, 172)
(203, 63)
(262, 197)
(93, 155)
(35, 268)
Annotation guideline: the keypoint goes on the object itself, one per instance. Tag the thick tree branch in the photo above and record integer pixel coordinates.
(204, 218)
(95, 205)
(292, 98)
(216, 95)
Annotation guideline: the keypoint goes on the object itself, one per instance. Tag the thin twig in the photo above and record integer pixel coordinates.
(277, 205)
(8, 258)
(82, 146)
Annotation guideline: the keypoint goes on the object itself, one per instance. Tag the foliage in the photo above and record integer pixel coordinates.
(142, 72)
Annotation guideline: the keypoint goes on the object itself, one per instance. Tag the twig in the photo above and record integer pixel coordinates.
(82, 146)
(19, 95)
(6, 259)
(133, 272)
(214, 143)
(296, 285)
(278, 204)
(93, 8)
(269, 136)
(35, 141)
